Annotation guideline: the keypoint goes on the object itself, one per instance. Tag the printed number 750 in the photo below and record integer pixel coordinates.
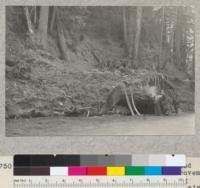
(5, 165)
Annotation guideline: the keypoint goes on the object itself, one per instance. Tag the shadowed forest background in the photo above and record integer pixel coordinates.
(88, 61)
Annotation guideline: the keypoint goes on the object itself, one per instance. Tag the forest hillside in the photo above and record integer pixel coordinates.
(86, 61)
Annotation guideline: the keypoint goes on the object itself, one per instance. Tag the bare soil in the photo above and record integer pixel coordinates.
(182, 124)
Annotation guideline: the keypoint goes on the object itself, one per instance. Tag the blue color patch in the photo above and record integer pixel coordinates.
(153, 170)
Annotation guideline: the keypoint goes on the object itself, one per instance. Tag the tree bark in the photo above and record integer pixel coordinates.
(28, 19)
(43, 25)
(161, 40)
(125, 30)
(52, 19)
(35, 15)
(137, 36)
(61, 39)
(178, 37)
(184, 50)
(130, 30)
(193, 65)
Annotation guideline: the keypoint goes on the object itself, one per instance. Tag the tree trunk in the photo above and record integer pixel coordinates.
(130, 30)
(125, 30)
(28, 19)
(193, 65)
(178, 37)
(43, 25)
(184, 50)
(61, 39)
(52, 19)
(161, 40)
(137, 36)
(35, 15)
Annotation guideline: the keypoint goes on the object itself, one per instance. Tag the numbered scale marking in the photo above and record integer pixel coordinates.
(99, 182)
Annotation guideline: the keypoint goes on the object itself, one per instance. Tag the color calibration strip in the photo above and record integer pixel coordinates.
(98, 165)
(97, 171)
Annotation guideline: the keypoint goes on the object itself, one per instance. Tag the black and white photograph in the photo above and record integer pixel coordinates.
(99, 70)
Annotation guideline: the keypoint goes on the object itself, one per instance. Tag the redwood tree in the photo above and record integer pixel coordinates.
(137, 36)
(43, 25)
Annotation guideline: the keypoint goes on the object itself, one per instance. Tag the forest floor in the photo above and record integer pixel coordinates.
(182, 124)
(41, 85)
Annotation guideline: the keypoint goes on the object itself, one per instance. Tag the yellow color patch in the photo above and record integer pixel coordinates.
(115, 171)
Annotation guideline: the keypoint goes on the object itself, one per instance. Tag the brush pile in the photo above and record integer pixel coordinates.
(39, 86)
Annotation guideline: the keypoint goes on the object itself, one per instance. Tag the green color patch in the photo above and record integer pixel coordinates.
(130, 170)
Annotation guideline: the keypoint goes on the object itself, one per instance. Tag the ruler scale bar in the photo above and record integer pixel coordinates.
(106, 182)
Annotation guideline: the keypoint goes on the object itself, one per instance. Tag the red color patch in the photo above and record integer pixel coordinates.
(96, 171)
